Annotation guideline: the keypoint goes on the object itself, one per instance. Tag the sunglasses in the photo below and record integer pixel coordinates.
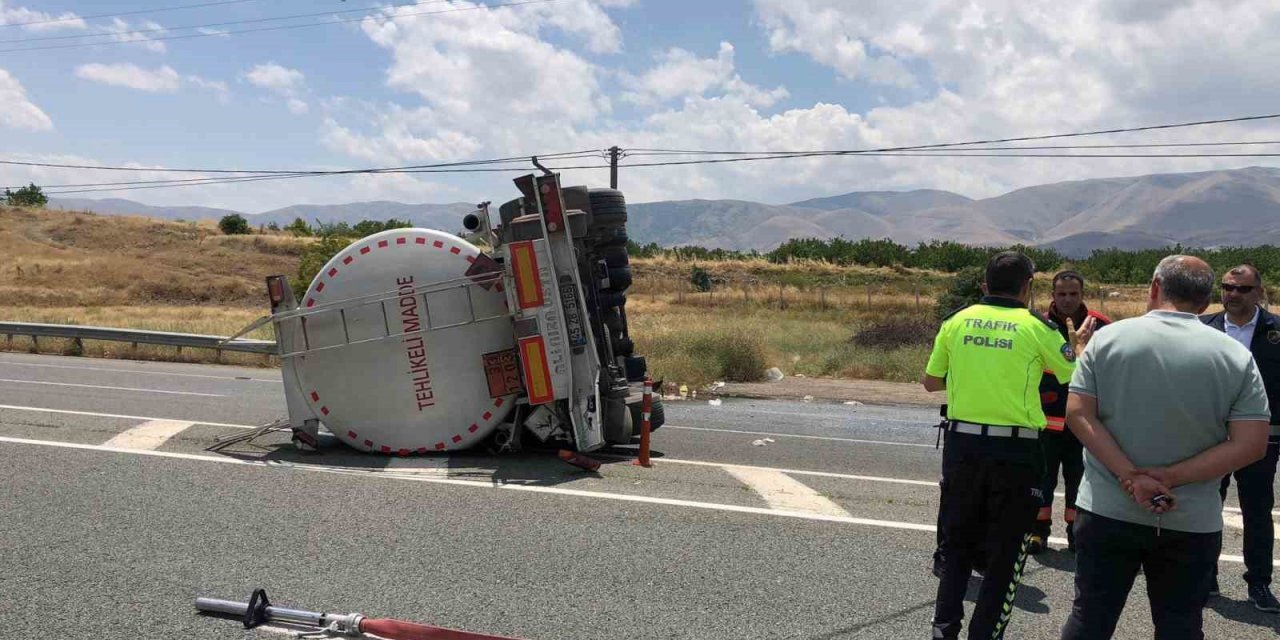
(1239, 288)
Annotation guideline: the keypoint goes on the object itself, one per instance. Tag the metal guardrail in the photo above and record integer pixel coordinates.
(136, 336)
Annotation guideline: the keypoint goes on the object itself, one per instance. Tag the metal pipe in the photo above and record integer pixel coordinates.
(274, 614)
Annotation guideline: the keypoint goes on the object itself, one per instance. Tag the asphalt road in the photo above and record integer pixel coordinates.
(821, 532)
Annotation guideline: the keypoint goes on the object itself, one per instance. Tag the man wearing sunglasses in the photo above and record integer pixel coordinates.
(1244, 319)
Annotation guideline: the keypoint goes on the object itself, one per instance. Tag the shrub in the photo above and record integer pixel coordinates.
(313, 259)
(28, 196)
(234, 224)
(897, 331)
(700, 278)
(966, 289)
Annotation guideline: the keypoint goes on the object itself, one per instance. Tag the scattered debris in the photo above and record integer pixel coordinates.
(808, 398)
(761, 442)
(684, 392)
(774, 374)
(854, 403)
(715, 402)
(716, 385)
(693, 394)
(799, 375)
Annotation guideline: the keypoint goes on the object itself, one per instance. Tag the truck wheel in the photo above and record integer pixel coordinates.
(657, 416)
(619, 279)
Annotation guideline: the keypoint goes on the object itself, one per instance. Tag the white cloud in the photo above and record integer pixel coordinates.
(67, 20)
(18, 111)
(680, 73)
(123, 31)
(298, 107)
(276, 78)
(161, 80)
(218, 87)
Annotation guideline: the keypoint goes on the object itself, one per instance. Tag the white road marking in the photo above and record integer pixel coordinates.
(96, 386)
(801, 472)
(888, 524)
(793, 435)
(148, 435)
(781, 491)
(117, 415)
(4, 362)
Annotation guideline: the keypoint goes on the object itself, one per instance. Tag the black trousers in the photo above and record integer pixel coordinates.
(990, 494)
(1061, 449)
(1256, 488)
(1178, 567)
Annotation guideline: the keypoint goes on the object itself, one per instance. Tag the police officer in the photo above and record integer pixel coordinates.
(1061, 448)
(989, 358)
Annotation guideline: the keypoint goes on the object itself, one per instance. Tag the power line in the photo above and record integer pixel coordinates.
(677, 152)
(218, 24)
(525, 158)
(125, 13)
(277, 28)
(1180, 125)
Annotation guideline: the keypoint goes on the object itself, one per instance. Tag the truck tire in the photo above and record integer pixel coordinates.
(623, 346)
(619, 279)
(611, 237)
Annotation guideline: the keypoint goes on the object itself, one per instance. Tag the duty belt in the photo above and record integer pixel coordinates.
(972, 428)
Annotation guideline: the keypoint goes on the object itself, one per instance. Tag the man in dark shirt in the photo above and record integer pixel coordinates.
(1061, 448)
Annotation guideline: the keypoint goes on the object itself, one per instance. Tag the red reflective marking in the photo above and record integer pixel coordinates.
(471, 258)
(315, 396)
(386, 449)
(401, 240)
(368, 443)
(457, 439)
(437, 244)
(364, 250)
(498, 402)
(382, 244)
(486, 416)
(420, 240)
(348, 260)
(333, 272)
(351, 434)
(473, 428)
(324, 410)
(440, 446)
(319, 287)
(311, 302)
(404, 452)
(455, 250)
(422, 449)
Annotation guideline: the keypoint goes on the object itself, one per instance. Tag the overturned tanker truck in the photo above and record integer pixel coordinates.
(415, 341)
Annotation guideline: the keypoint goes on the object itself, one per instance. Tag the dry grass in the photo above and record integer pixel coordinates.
(64, 259)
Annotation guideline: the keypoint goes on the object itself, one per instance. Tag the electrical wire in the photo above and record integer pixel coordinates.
(276, 28)
(125, 13)
(219, 24)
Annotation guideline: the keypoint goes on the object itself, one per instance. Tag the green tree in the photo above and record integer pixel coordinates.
(299, 227)
(313, 259)
(966, 289)
(234, 224)
(700, 278)
(28, 196)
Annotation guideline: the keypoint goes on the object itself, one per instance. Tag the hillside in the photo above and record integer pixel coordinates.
(55, 258)
(1213, 208)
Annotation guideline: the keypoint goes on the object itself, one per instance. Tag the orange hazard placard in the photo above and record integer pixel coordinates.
(503, 373)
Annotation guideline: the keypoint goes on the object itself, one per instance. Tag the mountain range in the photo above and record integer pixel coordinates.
(1204, 209)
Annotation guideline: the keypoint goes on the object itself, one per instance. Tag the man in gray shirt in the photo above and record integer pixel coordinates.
(1165, 406)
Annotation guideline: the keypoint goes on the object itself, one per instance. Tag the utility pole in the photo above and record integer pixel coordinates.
(613, 166)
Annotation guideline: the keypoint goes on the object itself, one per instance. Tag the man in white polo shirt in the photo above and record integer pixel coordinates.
(1165, 406)
(1244, 319)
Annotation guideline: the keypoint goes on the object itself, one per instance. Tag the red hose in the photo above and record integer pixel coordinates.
(401, 630)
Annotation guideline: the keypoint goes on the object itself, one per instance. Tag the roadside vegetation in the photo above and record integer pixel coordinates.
(697, 315)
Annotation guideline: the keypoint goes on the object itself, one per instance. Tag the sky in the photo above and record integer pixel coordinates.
(368, 84)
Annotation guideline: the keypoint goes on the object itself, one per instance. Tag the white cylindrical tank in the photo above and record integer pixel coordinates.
(442, 385)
